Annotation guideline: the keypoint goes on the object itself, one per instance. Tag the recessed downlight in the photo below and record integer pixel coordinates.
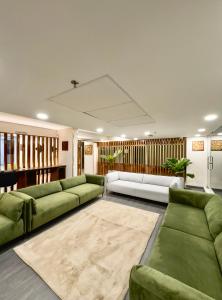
(147, 133)
(99, 130)
(219, 133)
(211, 117)
(123, 136)
(201, 130)
(42, 116)
(197, 135)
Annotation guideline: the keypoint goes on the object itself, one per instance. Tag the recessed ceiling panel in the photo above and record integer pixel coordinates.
(118, 112)
(96, 94)
(132, 122)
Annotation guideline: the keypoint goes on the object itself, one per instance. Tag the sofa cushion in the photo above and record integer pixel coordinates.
(9, 229)
(188, 219)
(73, 181)
(213, 211)
(11, 206)
(158, 180)
(52, 206)
(41, 190)
(189, 259)
(86, 192)
(127, 176)
(146, 191)
(218, 248)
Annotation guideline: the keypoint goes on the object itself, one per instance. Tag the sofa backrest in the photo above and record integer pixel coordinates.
(213, 211)
(41, 190)
(158, 180)
(168, 181)
(128, 176)
(72, 181)
(218, 248)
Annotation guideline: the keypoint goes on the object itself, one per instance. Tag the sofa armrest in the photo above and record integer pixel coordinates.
(187, 197)
(147, 283)
(177, 183)
(30, 208)
(95, 179)
(112, 176)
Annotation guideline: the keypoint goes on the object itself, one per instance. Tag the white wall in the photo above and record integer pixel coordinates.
(199, 163)
(31, 130)
(68, 158)
(90, 161)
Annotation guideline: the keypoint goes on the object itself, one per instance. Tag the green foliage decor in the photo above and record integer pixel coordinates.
(178, 166)
(110, 158)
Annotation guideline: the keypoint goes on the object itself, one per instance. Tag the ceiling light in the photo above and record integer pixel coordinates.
(197, 135)
(99, 130)
(219, 133)
(211, 117)
(135, 139)
(42, 116)
(201, 130)
(123, 136)
(147, 133)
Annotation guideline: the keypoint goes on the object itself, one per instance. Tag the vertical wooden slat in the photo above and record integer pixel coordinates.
(50, 151)
(29, 152)
(33, 151)
(18, 152)
(5, 151)
(43, 152)
(38, 152)
(23, 151)
(12, 151)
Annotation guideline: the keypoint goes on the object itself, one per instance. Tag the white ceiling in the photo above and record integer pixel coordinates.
(165, 54)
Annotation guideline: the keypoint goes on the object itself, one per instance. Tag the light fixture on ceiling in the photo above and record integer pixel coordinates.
(99, 130)
(219, 133)
(197, 135)
(42, 116)
(147, 133)
(135, 139)
(201, 130)
(211, 117)
(123, 136)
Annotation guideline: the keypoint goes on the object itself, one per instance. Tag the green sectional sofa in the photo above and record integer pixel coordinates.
(12, 217)
(26, 209)
(186, 260)
(50, 200)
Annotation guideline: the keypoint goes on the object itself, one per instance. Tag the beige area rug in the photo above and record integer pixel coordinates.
(89, 255)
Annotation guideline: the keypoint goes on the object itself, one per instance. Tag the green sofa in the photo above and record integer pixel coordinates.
(186, 259)
(12, 217)
(46, 202)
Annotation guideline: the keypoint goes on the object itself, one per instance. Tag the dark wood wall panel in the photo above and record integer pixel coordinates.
(142, 156)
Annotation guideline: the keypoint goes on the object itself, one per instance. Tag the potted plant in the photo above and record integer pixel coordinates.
(178, 167)
(110, 158)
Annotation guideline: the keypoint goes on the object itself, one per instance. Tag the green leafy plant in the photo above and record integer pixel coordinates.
(110, 158)
(178, 166)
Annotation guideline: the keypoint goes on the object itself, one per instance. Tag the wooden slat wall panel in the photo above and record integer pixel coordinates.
(27, 151)
(142, 156)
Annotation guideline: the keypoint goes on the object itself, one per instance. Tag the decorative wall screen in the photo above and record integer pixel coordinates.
(142, 156)
(22, 151)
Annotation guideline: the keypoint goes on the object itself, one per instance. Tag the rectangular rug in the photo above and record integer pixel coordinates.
(89, 255)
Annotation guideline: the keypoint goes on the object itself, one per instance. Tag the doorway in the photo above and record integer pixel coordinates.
(215, 163)
(81, 158)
